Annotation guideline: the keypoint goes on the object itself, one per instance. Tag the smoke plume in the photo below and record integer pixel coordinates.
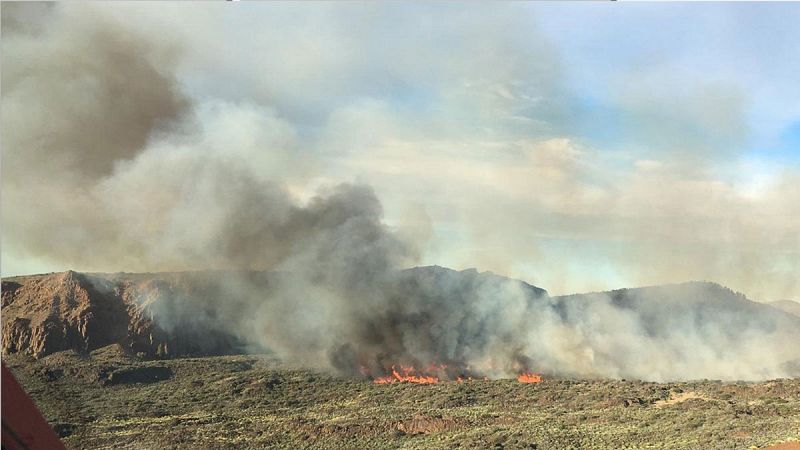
(109, 164)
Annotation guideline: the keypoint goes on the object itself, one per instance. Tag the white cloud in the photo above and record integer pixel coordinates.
(458, 115)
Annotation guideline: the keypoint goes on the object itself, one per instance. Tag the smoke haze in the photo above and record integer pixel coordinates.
(333, 146)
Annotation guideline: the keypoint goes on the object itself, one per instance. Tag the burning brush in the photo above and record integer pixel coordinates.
(434, 373)
(406, 375)
(529, 378)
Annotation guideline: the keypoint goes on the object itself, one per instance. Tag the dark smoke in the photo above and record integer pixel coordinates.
(363, 322)
(79, 93)
(108, 166)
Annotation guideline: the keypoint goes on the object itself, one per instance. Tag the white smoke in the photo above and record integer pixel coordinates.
(115, 159)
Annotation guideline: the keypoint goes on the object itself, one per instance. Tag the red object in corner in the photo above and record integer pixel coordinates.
(24, 428)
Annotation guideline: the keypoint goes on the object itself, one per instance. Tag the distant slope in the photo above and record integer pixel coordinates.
(788, 306)
(707, 329)
(463, 322)
(445, 278)
(670, 307)
(183, 313)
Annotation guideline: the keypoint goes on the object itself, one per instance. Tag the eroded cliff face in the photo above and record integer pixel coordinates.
(43, 314)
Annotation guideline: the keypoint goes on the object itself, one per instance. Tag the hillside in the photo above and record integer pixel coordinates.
(789, 306)
(153, 315)
(179, 313)
(436, 320)
(703, 328)
(663, 310)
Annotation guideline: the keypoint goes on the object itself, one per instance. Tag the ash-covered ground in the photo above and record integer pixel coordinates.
(110, 400)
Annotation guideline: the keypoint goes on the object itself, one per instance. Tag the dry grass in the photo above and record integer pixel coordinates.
(255, 402)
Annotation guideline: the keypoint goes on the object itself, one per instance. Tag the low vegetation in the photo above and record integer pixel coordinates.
(112, 401)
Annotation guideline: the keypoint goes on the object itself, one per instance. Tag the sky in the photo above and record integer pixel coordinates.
(577, 146)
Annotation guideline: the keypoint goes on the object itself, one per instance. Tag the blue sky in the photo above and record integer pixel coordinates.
(750, 49)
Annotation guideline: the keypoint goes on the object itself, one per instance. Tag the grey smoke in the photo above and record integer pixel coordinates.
(107, 165)
(481, 324)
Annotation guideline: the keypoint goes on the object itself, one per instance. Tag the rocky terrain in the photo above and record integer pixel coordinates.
(43, 314)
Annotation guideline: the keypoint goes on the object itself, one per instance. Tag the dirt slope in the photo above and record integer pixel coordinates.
(47, 313)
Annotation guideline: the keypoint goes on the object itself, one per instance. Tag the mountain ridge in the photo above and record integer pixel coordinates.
(172, 314)
(789, 306)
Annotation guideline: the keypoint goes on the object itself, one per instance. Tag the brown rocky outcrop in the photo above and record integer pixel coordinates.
(42, 314)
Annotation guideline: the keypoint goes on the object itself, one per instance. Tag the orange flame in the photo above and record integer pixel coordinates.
(405, 375)
(529, 378)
